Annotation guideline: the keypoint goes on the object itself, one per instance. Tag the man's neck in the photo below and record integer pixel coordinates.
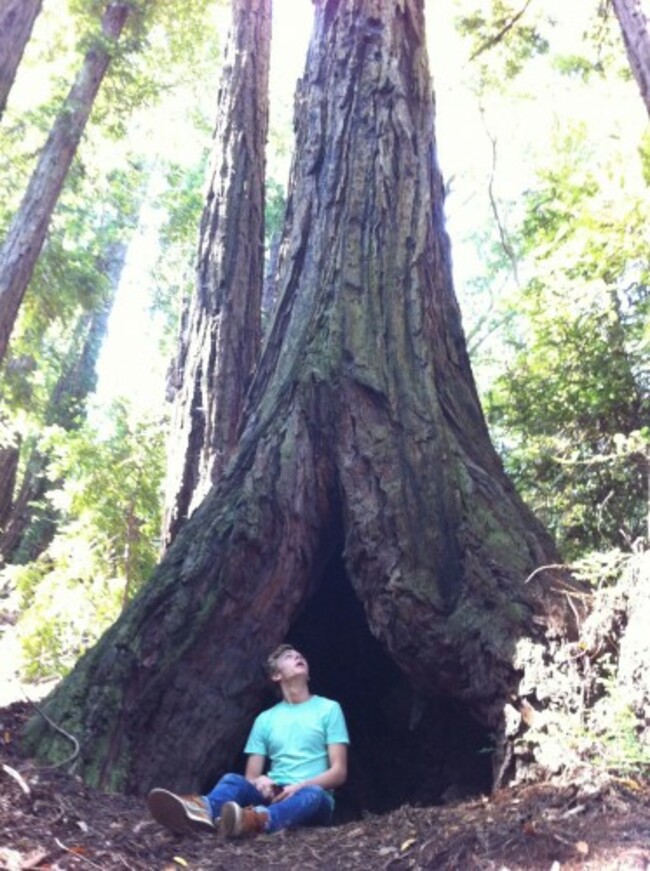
(295, 693)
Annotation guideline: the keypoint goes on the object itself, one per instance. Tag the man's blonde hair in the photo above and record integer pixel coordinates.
(272, 660)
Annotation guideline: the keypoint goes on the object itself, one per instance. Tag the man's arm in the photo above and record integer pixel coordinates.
(254, 773)
(335, 775)
(254, 766)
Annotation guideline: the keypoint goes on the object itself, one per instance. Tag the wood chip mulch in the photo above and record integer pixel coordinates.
(51, 820)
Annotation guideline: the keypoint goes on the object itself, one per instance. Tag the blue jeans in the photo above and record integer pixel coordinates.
(311, 805)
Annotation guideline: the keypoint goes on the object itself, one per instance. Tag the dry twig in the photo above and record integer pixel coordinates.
(69, 759)
(20, 780)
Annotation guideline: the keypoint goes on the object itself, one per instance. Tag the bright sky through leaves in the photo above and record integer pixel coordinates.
(130, 364)
(465, 124)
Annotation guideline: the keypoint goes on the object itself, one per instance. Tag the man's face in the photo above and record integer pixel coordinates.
(291, 664)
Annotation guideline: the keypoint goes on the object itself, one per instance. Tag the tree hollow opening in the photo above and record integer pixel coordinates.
(404, 748)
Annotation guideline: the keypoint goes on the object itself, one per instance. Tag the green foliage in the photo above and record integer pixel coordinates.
(644, 154)
(107, 540)
(513, 35)
(605, 736)
(273, 210)
(73, 280)
(570, 407)
(114, 482)
(596, 698)
(574, 65)
(166, 46)
(179, 204)
(600, 53)
(610, 738)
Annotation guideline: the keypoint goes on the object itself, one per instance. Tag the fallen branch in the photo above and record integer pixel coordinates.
(20, 780)
(76, 853)
(69, 759)
(544, 568)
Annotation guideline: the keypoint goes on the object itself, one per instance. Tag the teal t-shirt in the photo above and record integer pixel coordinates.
(295, 738)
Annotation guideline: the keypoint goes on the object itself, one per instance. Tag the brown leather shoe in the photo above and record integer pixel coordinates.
(237, 822)
(180, 813)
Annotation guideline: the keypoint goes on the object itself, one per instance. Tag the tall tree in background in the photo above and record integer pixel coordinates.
(17, 19)
(26, 235)
(364, 443)
(634, 27)
(221, 326)
(29, 526)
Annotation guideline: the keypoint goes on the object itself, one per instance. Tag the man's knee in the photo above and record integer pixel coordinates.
(315, 791)
(316, 798)
(232, 779)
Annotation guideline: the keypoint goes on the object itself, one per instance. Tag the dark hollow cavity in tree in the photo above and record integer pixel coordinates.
(405, 749)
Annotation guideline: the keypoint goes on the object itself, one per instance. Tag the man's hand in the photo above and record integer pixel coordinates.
(265, 786)
(287, 791)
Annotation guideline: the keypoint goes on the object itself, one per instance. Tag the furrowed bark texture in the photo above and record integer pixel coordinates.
(634, 27)
(26, 235)
(17, 19)
(363, 425)
(221, 330)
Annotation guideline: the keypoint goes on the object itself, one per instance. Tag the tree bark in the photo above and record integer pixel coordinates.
(634, 27)
(364, 439)
(17, 19)
(29, 227)
(221, 330)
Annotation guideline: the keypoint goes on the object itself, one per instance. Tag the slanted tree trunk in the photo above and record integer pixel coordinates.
(17, 19)
(220, 340)
(27, 232)
(634, 27)
(364, 442)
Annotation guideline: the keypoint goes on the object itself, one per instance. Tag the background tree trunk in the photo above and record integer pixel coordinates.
(17, 19)
(29, 525)
(27, 232)
(9, 456)
(365, 466)
(634, 27)
(221, 329)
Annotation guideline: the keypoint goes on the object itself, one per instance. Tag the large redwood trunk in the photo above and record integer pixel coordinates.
(221, 329)
(634, 27)
(17, 19)
(26, 235)
(365, 463)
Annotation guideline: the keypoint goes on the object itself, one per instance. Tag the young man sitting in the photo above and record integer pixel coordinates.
(305, 739)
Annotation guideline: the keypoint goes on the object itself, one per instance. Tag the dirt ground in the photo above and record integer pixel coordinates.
(50, 820)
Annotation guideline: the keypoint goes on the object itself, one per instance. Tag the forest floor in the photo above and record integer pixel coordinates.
(51, 820)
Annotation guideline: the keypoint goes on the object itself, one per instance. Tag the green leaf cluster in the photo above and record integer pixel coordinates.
(571, 407)
(511, 35)
(106, 544)
(98, 510)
